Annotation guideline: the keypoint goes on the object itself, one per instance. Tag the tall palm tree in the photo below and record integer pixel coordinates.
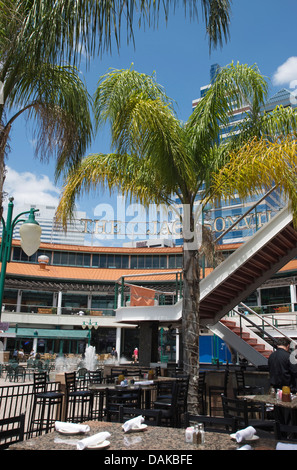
(155, 156)
(36, 36)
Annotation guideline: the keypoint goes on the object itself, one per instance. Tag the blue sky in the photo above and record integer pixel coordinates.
(262, 32)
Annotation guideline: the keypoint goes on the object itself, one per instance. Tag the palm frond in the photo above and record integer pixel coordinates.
(57, 100)
(259, 165)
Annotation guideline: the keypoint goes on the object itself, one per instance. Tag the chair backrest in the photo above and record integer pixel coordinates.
(11, 430)
(235, 408)
(164, 388)
(183, 390)
(213, 423)
(70, 381)
(226, 379)
(95, 376)
(129, 397)
(39, 382)
(82, 373)
(240, 380)
(151, 416)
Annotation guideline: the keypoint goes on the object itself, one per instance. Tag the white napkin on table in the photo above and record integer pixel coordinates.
(246, 447)
(244, 434)
(134, 423)
(71, 427)
(94, 440)
(285, 446)
(144, 382)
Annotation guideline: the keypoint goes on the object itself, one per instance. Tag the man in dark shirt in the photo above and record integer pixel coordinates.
(281, 370)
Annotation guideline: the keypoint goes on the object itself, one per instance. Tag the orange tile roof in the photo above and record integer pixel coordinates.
(105, 249)
(30, 270)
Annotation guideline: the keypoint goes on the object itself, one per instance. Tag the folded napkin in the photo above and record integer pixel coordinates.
(134, 423)
(144, 382)
(245, 434)
(94, 440)
(71, 427)
(285, 446)
(246, 447)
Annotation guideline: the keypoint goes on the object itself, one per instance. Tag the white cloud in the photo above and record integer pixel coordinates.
(28, 188)
(286, 73)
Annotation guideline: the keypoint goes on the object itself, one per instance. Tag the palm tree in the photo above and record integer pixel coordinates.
(36, 36)
(156, 156)
(65, 28)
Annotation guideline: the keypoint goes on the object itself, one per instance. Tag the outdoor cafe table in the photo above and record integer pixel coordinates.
(270, 400)
(151, 439)
(279, 406)
(147, 387)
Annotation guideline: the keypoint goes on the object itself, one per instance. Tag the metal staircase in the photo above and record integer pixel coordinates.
(257, 260)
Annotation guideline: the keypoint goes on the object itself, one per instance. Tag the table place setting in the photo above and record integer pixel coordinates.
(134, 424)
(97, 441)
(247, 434)
(71, 428)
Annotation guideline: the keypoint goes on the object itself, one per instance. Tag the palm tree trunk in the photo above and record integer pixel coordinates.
(190, 317)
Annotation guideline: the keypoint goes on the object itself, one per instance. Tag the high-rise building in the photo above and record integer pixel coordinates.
(52, 232)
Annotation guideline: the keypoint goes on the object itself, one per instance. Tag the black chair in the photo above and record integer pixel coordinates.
(215, 391)
(285, 431)
(169, 406)
(82, 374)
(47, 405)
(246, 413)
(202, 392)
(213, 423)
(242, 388)
(164, 389)
(151, 417)
(79, 402)
(182, 399)
(11, 430)
(130, 398)
(20, 373)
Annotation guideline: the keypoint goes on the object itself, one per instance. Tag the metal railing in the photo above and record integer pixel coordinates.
(123, 289)
(259, 328)
(51, 310)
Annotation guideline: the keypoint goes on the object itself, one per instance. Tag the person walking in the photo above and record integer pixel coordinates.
(135, 355)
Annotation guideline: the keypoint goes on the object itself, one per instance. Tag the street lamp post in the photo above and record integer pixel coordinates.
(30, 233)
(89, 325)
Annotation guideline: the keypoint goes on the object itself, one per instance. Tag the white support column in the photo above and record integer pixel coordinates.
(59, 309)
(177, 346)
(118, 341)
(293, 296)
(19, 301)
(34, 345)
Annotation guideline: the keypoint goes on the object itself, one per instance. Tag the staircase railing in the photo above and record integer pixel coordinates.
(259, 328)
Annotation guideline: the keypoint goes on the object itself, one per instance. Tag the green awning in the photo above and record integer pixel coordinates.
(49, 333)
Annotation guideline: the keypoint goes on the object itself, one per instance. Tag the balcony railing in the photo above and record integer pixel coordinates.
(50, 310)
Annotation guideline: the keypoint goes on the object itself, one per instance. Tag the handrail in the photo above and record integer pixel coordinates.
(263, 320)
(245, 214)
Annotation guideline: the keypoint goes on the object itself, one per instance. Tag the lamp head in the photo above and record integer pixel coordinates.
(30, 232)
